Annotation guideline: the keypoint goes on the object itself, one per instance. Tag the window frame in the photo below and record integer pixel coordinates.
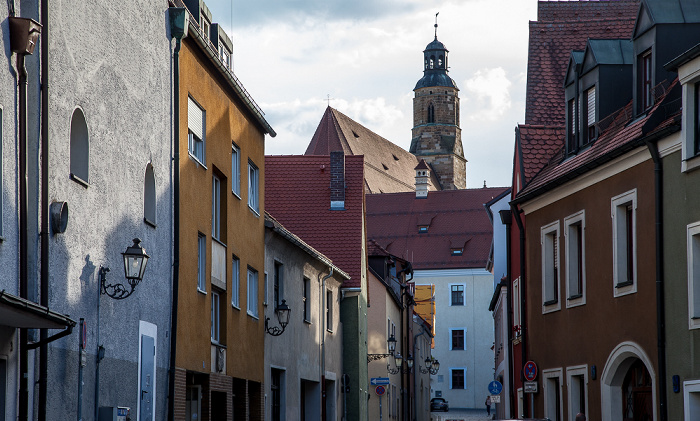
(645, 70)
(517, 315)
(79, 149)
(693, 262)
(150, 199)
(571, 372)
(454, 370)
(329, 310)
(463, 291)
(589, 130)
(252, 293)
(306, 300)
(193, 141)
(253, 188)
(578, 219)
(464, 338)
(621, 226)
(235, 170)
(277, 284)
(551, 267)
(201, 263)
(215, 317)
(236, 282)
(555, 373)
(216, 207)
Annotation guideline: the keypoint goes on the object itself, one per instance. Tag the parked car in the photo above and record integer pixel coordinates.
(439, 404)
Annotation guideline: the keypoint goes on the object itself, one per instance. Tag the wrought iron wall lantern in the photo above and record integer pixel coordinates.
(391, 344)
(135, 259)
(432, 366)
(398, 365)
(282, 313)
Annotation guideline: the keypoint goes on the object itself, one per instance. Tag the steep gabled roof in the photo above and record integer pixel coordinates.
(388, 167)
(563, 27)
(297, 194)
(655, 12)
(536, 145)
(455, 219)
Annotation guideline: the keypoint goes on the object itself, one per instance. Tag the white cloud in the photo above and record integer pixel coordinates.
(487, 95)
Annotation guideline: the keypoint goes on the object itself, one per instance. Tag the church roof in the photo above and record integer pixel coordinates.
(455, 220)
(435, 45)
(388, 167)
(431, 79)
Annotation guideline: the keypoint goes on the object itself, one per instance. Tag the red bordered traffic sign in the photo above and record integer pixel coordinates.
(530, 371)
(380, 390)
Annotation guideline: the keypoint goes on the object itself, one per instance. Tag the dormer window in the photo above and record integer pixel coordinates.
(589, 115)
(571, 132)
(224, 54)
(456, 251)
(422, 229)
(205, 25)
(645, 83)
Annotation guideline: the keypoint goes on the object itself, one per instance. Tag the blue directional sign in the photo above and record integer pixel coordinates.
(376, 381)
(495, 387)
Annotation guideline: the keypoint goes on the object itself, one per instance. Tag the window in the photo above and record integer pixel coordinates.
(696, 117)
(149, 196)
(196, 125)
(224, 54)
(571, 115)
(457, 295)
(276, 389)
(550, 267)
(235, 170)
(624, 208)
(201, 262)
(645, 82)
(215, 316)
(577, 386)
(457, 340)
(205, 25)
(193, 402)
(575, 263)
(456, 251)
(253, 292)
(422, 229)
(329, 310)
(216, 208)
(457, 376)
(552, 394)
(79, 148)
(265, 291)
(236, 282)
(589, 115)
(516, 308)
(276, 285)
(693, 253)
(691, 400)
(253, 187)
(306, 300)
(431, 113)
(390, 331)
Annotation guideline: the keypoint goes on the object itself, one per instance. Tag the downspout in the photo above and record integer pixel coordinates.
(405, 329)
(416, 367)
(44, 236)
(178, 29)
(660, 308)
(507, 220)
(516, 212)
(321, 314)
(23, 226)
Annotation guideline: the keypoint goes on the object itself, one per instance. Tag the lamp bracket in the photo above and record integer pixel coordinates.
(116, 291)
(392, 370)
(274, 330)
(376, 357)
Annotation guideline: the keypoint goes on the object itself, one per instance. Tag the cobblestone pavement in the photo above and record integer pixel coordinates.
(460, 415)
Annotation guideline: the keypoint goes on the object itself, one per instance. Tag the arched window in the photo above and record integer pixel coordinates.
(432, 62)
(441, 62)
(79, 148)
(431, 113)
(149, 196)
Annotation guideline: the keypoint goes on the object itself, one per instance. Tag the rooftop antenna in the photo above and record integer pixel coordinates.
(436, 25)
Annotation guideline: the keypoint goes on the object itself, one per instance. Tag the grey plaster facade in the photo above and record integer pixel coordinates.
(110, 62)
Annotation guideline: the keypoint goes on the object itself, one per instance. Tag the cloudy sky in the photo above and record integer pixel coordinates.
(366, 55)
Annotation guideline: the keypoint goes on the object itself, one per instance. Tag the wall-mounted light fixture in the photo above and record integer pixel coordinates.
(135, 259)
(391, 344)
(398, 364)
(432, 366)
(282, 313)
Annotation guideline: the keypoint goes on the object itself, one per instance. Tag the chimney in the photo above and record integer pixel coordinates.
(422, 176)
(338, 180)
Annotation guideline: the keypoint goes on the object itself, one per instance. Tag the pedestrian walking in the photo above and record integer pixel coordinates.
(488, 405)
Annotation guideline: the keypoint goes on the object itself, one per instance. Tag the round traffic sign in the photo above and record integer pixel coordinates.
(530, 371)
(495, 387)
(380, 390)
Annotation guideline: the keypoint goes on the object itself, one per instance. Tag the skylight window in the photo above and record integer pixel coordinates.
(422, 229)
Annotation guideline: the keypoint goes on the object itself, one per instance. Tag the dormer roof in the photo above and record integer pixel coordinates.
(573, 67)
(607, 52)
(655, 12)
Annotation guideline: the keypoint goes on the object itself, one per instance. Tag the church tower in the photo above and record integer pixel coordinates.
(436, 136)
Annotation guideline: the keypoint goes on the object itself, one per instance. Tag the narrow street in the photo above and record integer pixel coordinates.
(460, 415)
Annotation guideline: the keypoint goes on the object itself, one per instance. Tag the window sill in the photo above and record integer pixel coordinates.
(149, 222)
(550, 303)
(236, 307)
(218, 344)
(329, 331)
(456, 305)
(236, 194)
(690, 164)
(79, 180)
(253, 316)
(623, 284)
(196, 160)
(308, 322)
(574, 297)
(201, 291)
(257, 213)
(218, 241)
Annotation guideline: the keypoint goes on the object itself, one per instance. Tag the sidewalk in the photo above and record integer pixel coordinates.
(460, 415)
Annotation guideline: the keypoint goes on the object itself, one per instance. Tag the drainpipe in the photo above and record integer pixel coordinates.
(44, 293)
(507, 220)
(178, 29)
(323, 342)
(516, 212)
(416, 365)
(660, 308)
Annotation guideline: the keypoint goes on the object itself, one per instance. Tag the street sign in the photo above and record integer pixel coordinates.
(495, 398)
(495, 387)
(530, 387)
(380, 390)
(376, 381)
(530, 371)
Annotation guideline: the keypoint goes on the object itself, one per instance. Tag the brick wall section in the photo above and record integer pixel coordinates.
(180, 394)
(256, 401)
(338, 177)
(240, 399)
(222, 383)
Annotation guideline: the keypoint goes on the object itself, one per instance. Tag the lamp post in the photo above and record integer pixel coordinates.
(135, 260)
(282, 313)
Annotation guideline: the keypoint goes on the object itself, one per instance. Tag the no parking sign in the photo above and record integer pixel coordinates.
(380, 390)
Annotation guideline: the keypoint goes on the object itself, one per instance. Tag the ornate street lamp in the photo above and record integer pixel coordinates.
(398, 361)
(431, 366)
(391, 344)
(282, 312)
(135, 260)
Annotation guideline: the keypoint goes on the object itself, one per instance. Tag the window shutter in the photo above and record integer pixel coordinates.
(195, 118)
(591, 106)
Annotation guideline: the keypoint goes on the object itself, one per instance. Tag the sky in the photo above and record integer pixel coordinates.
(364, 57)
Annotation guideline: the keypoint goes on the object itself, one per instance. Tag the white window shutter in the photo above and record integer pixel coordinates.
(195, 118)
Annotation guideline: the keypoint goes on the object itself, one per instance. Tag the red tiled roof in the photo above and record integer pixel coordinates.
(536, 146)
(562, 27)
(619, 135)
(297, 193)
(388, 167)
(456, 217)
